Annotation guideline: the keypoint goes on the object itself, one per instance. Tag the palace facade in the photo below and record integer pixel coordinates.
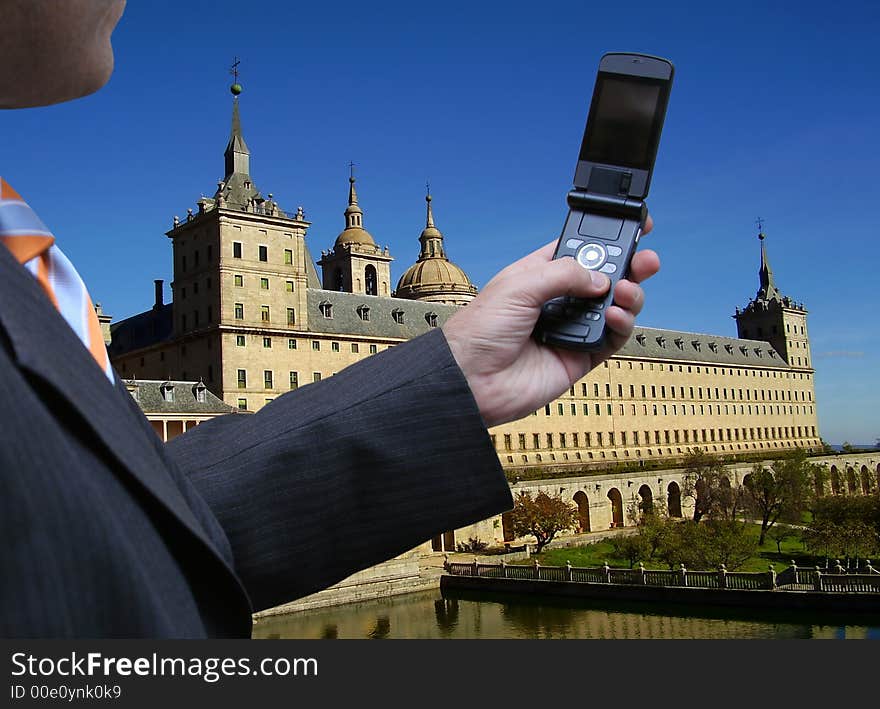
(252, 318)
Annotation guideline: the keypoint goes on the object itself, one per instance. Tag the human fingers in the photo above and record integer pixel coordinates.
(649, 224)
(538, 256)
(643, 265)
(629, 296)
(536, 285)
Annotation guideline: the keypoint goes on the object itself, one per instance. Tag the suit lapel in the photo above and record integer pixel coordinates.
(44, 344)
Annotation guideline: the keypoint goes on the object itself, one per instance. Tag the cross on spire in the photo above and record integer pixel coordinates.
(234, 69)
(760, 222)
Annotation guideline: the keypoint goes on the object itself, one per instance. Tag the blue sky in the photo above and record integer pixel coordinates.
(774, 114)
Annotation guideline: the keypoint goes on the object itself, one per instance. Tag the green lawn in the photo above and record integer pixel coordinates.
(598, 553)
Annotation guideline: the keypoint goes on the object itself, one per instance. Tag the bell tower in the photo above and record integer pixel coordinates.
(356, 264)
(775, 318)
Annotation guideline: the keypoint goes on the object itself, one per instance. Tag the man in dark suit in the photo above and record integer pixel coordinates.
(107, 532)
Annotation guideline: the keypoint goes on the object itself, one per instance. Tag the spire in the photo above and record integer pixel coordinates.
(431, 239)
(354, 215)
(237, 155)
(767, 290)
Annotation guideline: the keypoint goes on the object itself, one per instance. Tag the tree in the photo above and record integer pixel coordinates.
(782, 491)
(845, 527)
(707, 482)
(542, 516)
(780, 532)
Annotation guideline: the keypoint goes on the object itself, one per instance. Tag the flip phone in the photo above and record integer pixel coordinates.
(607, 211)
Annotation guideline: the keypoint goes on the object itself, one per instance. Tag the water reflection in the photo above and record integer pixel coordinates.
(461, 614)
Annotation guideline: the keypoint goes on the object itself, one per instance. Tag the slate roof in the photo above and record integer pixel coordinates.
(149, 396)
(142, 330)
(347, 321)
(655, 343)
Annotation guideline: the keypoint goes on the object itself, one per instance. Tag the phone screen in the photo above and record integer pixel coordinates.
(625, 121)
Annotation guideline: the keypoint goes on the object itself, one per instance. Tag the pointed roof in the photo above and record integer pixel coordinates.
(767, 289)
(354, 232)
(237, 188)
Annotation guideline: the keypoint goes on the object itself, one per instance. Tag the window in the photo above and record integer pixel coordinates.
(267, 378)
(242, 378)
(210, 314)
(291, 344)
(168, 392)
(267, 342)
(363, 312)
(264, 284)
(326, 309)
(238, 280)
(397, 315)
(264, 313)
(291, 316)
(316, 376)
(288, 257)
(183, 322)
(183, 263)
(334, 346)
(195, 287)
(431, 319)
(236, 250)
(210, 253)
(289, 286)
(239, 311)
(242, 404)
(264, 253)
(239, 340)
(354, 347)
(294, 380)
(373, 349)
(196, 318)
(316, 345)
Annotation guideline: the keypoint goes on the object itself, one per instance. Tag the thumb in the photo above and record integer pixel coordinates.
(555, 278)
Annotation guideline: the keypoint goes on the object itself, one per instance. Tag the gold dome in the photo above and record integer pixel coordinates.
(355, 235)
(432, 275)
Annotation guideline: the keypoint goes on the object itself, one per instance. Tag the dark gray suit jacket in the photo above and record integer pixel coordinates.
(107, 532)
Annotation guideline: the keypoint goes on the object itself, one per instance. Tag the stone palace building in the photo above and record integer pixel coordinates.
(252, 318)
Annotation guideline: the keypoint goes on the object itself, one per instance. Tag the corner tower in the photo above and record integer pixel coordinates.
(775, 318)
(433, 277)
(356, 264)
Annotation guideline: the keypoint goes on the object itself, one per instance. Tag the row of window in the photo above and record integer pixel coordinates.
(238, 282)
(602, 439)
(195, 288)
(269, 379)
(649, 452)
(721, 393)
(265, 313)
(262, 253)
(209, 254)
(677, 409)
(704, 369)
(292, 344)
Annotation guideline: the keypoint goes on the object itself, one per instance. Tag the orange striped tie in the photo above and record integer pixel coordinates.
(31, 242)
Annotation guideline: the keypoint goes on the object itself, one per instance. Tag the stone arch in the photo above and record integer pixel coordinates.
(616, 500)
(583, 505)
(338, 279)
(836, 487)
(646, 503)
(851, 483)
(673, 499)
(371, 280)
(866, 481)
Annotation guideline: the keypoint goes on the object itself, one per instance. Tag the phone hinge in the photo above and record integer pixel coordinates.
(607, 204)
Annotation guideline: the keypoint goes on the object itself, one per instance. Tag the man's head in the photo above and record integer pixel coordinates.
(54, 50)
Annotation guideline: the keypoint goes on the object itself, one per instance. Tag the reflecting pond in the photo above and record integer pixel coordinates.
(460, 614)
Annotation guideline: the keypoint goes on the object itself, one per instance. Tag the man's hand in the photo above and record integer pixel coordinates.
(509, 373)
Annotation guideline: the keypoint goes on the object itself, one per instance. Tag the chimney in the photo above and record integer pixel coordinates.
(159, 296)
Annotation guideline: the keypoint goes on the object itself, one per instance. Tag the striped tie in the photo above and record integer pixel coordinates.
(25, 235)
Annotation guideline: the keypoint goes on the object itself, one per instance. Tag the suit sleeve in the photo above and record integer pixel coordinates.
(348, 472)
